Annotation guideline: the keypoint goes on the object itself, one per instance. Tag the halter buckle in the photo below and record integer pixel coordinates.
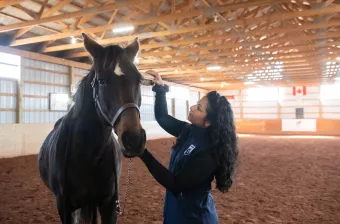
(93, 81)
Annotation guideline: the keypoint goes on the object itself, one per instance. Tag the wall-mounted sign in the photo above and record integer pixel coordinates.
(59, 101)
(299, 125)
(299, 113)
(73, 88)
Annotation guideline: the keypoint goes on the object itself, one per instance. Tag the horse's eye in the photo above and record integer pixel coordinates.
(101, 81)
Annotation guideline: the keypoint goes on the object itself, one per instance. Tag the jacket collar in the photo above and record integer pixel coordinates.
(198, 133)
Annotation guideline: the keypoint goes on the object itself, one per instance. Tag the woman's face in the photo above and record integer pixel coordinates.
(198, 113)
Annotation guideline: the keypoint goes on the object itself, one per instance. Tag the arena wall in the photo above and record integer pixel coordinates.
(26, 117)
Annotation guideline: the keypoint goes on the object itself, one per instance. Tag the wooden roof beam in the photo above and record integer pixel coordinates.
(198, 64)
(83, 12)
(156, 19)
(248, 44)
(228, 64)
(247, 59)
(199, 39)
(5, 3)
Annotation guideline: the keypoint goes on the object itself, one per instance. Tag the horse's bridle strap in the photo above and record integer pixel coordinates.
(118, 113)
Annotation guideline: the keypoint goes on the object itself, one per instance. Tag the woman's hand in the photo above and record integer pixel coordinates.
(156, 77)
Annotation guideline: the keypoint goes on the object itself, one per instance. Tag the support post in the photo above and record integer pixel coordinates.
(241, 104)
(20, 89)
(71, 81)
(173, 103)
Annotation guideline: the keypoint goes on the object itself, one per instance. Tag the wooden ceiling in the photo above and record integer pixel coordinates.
(211, 44)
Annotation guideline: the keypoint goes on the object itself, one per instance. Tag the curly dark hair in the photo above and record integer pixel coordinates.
(222, 134)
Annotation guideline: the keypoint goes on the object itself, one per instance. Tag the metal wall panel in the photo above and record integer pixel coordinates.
(181, 109)
(260, 116)
(78, 71)
(194, 98)
(147, 106)
(36, 95)
(7, 117)
(8, 101)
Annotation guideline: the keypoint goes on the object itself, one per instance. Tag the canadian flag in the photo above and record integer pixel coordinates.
(299, 90)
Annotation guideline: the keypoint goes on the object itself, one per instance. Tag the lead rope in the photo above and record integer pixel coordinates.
(126, 189)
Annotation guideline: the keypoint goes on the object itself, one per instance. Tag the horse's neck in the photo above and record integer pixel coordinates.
(89, 128)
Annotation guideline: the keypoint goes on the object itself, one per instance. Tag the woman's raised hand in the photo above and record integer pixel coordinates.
(156, 77)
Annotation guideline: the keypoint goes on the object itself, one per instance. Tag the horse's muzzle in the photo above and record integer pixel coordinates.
(134, 143)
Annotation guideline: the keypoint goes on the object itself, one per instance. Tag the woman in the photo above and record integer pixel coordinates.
(204, 149)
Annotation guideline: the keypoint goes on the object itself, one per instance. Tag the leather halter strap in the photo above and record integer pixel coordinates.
(111, 124)
(118, 113)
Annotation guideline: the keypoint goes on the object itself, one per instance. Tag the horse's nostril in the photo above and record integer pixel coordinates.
(134, 141)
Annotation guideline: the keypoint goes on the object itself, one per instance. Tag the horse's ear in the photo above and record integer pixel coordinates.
(132, 49)
(92, 46)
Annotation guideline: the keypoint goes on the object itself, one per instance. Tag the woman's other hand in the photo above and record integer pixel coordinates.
(156, 77)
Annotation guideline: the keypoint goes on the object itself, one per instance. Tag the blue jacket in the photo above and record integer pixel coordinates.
(196, 206)
(190, 173)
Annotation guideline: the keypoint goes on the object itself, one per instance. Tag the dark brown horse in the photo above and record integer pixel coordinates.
(80, 160)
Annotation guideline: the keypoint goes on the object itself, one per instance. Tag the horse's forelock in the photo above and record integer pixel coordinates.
(110, 56)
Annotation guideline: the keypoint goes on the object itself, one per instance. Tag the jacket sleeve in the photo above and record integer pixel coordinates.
(170, 124)
(196, 171)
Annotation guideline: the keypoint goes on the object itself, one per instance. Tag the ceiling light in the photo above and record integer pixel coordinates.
(123, 29)
(176, 71)
(337, 78)
(136, 61)
(305, 2)
(202, 79)
(338, 58)
(73, 40)
(216, 67)
(248, 83)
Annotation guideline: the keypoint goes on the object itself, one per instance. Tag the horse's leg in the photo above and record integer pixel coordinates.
(108, 212)
(64, 212)
(88, 214)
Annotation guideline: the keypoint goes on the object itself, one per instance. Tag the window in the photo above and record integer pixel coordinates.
(330, 92)
(179, 93)
(263, 94)
(9, 66)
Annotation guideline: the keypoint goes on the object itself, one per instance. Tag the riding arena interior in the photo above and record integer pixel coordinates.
(76, 71)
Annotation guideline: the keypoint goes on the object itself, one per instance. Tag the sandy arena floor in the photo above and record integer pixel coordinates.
(278, 181)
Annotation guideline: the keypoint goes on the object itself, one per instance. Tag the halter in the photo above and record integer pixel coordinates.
(118, 113)
(111, 124)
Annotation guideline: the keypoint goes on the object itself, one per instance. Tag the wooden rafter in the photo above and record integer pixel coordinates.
(287, 29)
(169, 17)
(87, 11)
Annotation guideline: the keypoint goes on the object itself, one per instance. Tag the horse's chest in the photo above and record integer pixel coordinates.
(92, 176)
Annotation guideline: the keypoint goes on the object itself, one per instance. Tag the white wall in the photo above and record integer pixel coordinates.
(26, 139)
(40, 78)
(9, 73)
(280, 103)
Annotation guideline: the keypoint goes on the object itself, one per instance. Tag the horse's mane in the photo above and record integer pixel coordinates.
(79, 96)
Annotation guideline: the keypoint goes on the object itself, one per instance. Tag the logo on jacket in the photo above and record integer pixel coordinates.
(189, 150)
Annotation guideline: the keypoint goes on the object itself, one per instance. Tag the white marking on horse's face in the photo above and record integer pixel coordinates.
(118, 71)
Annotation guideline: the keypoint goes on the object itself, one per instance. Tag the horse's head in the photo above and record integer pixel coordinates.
(116, 90)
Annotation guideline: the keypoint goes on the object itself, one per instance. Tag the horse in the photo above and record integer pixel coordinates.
(80, 159)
